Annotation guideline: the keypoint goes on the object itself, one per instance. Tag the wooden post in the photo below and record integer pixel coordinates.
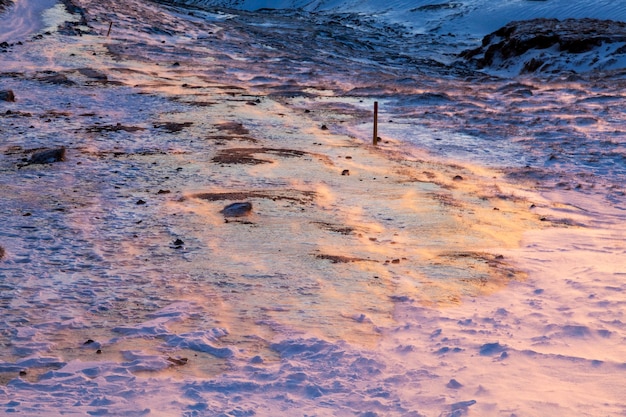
(109, 31)
(375, 141)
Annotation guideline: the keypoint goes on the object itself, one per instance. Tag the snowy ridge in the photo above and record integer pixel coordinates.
(477, 17)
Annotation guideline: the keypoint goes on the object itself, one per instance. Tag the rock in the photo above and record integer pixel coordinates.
(490, 349)
(454, 384)
(47, 156)
(237, 209)
(550, 45)
(1, 253)
(7, 95)
(57, 78)
(345, 172)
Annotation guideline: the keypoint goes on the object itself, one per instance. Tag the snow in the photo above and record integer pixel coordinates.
(472, 263)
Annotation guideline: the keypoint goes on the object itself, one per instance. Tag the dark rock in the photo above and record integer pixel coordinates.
(462, 404)
(1, 253)
(454, 384)
(7, 95)
(59, 79)
(237, 209)
(490, 349)
(93, 74)
(140, 202)
(553, 39)
(5, 4)
(345, 172)
(47, 156)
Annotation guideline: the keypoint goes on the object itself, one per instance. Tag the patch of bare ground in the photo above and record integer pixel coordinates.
(484, 269)
(114, 128)
(337, 259)
(274, 195)
(119, 153)
(173, 127)
(231, 131)
(222, 139)
(233, 128)
(337, 228)
(247, 155)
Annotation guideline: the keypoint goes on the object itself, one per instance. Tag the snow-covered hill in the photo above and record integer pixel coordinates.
(443, 16)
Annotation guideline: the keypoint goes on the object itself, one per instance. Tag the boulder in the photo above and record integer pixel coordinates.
(552, 46)
(7, 95)
(47, 156)
(237, 209)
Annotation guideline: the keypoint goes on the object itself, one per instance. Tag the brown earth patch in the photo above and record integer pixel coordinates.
(274, 195)
(114, 128)
(222, 139)
(340, 259)
(495, 266)
(246, 155)
(344, 230)
(173, 127)
(233, 128)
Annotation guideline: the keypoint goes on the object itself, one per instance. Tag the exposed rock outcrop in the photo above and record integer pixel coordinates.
(553, 46)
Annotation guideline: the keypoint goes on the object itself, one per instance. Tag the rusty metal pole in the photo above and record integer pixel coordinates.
(375, 140)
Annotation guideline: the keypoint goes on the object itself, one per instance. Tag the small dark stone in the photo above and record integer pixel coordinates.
(89, 342)
(23, 373)
(140, 202)
(345, 172)
(489, 349)
(462, 404)
(178, 243)
(99, 351)
(163, 192)
(237, 209)
(7, 95)
(47, 156)
(1, 253)
(454, 384)
(457, 178)
(324, 127)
